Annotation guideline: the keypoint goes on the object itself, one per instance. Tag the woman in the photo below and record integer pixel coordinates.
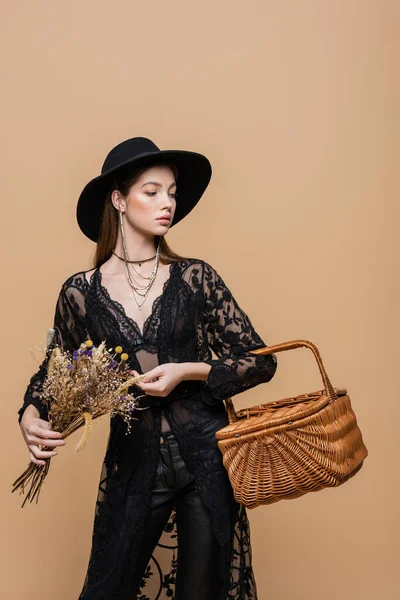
(168, 313)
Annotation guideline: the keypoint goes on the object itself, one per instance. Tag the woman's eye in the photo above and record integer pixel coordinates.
(173, 194)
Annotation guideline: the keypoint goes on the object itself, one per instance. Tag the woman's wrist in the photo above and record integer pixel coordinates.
(29, 412)
(195, 370)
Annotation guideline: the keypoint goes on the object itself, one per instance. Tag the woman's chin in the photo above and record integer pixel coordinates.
(162, 227)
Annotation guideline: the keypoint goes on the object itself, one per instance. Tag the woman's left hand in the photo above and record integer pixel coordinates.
(161, 380)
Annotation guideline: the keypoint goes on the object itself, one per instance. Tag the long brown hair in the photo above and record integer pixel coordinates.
(109, 221)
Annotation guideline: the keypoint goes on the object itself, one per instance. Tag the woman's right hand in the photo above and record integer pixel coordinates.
(36, 432)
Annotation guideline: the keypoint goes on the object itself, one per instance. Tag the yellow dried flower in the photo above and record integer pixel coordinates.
(89, 343)
(53, 357)
(118, 349)
(124, 356)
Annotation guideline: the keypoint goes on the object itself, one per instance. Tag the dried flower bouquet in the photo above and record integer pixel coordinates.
(79, 387)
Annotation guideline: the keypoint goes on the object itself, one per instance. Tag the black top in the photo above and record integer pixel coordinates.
(195, 314)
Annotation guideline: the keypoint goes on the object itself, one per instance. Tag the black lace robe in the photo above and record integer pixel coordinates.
(195, 313)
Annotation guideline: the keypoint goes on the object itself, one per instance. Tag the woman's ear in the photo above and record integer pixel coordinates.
(117, 200)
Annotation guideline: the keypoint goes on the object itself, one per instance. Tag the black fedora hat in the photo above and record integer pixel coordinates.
(194, 174)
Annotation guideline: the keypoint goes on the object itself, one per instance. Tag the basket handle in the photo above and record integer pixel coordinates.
(330, 392)
(328, 388)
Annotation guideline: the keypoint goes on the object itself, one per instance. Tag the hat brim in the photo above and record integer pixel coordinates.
(194, 174)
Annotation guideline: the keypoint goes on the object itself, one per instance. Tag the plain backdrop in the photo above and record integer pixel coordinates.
(296, 105)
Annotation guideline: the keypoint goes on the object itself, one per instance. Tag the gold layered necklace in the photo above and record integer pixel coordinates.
(143, 260)
(136, 287)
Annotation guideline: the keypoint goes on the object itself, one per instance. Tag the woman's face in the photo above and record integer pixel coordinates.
(152, 196)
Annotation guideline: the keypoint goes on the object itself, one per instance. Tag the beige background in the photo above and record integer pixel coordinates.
(296, 105)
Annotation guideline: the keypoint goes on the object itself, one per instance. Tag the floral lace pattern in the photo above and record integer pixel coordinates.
(194, 316)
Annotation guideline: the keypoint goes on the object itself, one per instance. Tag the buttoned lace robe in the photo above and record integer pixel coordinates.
(194, 315)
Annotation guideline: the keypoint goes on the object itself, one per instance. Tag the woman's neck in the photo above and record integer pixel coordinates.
(138, 247)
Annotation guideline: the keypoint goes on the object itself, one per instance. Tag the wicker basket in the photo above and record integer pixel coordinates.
(284, 449)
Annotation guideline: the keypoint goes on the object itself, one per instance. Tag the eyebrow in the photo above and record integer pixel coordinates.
(157, 184)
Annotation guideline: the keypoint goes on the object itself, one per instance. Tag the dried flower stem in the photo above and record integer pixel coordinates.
(86, 431)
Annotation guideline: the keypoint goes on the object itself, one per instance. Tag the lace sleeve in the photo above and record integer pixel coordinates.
(69, 333)
(231, 335)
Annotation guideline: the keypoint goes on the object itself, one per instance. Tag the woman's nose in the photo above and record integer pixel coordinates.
(167, 202)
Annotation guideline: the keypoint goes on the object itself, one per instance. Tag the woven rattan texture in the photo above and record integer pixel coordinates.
(284, 449)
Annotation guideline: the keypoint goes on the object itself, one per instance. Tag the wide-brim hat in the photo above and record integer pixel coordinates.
(194, 174)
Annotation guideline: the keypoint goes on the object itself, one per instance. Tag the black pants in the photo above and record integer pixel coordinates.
(198, 552)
